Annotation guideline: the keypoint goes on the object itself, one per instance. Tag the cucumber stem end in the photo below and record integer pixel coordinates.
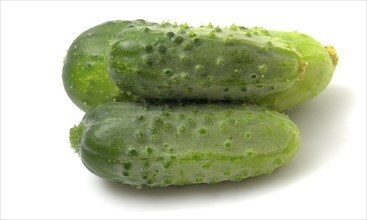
(333, 55)
(76, 134)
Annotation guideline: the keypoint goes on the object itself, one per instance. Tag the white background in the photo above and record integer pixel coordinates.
(41, 177)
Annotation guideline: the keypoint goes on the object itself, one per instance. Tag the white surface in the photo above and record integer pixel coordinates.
(41, 177)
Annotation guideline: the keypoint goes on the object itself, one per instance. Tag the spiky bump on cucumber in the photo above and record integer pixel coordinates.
(158, 146)
(178, 62)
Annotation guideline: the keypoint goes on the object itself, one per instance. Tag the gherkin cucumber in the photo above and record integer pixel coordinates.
(172, 62)
(86, 79)
(85, 71)
(158, 146)
(319, 69)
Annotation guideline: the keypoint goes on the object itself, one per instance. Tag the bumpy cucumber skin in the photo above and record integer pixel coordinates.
(158, 146)
(171, 62)
(85, 71)
(319, 69)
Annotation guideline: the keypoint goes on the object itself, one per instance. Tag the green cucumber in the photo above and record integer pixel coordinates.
(158, 146)
(177, 62)
(85, 71)
(319, 69)
(86, 79)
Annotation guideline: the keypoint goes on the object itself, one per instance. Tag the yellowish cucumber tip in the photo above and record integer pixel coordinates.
(332, 52)
(301, 70)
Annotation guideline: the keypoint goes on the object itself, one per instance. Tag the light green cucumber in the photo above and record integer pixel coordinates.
(178, 62)
(85, 71)
(320, 62)
(158, 146)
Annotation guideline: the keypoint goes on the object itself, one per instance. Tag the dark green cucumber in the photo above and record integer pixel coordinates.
(85, 71)
(179, 145)
(320, 63)
(171, 62)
